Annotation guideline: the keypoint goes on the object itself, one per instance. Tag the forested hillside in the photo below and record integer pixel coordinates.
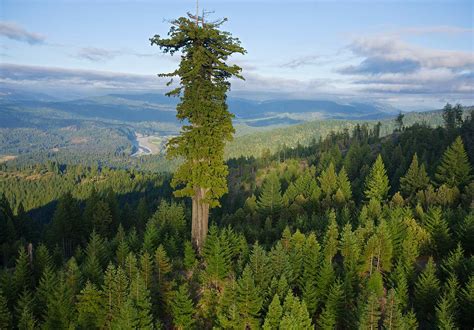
(358, 229)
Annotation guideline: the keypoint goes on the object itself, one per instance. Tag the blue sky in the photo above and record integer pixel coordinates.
(410, 54)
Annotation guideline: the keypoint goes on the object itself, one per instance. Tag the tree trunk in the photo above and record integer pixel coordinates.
(200, 218)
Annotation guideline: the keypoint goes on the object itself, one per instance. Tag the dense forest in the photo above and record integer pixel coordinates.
(354, 230)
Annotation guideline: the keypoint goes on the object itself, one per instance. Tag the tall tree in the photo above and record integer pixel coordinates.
(376, 183)
(203, 86)
(454, 170)
(415, 179)
(182, 308)
(270, 200)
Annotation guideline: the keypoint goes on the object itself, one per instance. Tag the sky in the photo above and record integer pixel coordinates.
(413, 55)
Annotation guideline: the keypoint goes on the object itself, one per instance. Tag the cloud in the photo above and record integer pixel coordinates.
(389, 65)
(14, 31)
(50, 77)
(97, 54)
(302, 61)
(377, 65)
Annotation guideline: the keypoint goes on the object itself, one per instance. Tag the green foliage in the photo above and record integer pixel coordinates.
(5, 316)
(274, 315)
(376, 183)
(270, 200)
(427, 289)
(415, 179)
(332, 310)
(295, 314)
(182, 308)
(454, 169)
(204, 82)
(90, 307)
(249, 301)
(216, 253)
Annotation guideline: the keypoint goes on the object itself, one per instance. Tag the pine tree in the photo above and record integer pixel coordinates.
(24, 311)
(454, 169)
(310, 273)
(415, 179)
(95, 252)
(438, 229)
(249, 302)
(370, 316)
(22, 271)
(140, 298)
(182, 308)
(376, 183)
(295, 314)
(328, 181)
(5, 316)
(467, 303)
(101, 218)
(427, 289)
(189, 259)
(59, 314)
(444, 317)
(91, 307)
(274, 315)
(344, 185)
(331, 312)
(203, 85)
(115, 290)
(146, 268)
(259, 264)
(393, 318)
(216, 253)
(270, 201)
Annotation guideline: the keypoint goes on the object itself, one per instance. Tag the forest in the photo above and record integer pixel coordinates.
(354, 230)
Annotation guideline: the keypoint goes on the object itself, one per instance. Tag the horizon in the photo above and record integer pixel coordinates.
(353, 50)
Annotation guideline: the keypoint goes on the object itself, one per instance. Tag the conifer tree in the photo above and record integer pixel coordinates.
(370, 316)
(270, 201)
(444, 316)
(115, 290)
(227, 309)
(216, 253)
(182, 308)
(467, 303)
(275, 312)
(24, 311)
(189, 259)
(22, 271)
(376, 183)
(140, 297)
(204, 82)
(91, 307)
(330, 314)
(259, 264)
(454, 169)
(249, 302)
(5, 315)
(310, 273)
(393, 318)
(427, 289)
(328, 181)
(415, 179)
(295, 314)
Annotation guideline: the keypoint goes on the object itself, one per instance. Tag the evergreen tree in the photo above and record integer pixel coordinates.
(370, 316)
(5, 315)
(427, 289)
(203, 85)
(454, 169)
(249, 302)
(331, 312)
(275, 312)
(216, 253)
(189, 259)
(90, 307)
(182, 308)
(24, 311)
(415, 179)
(452, 116)
(295, 314)
(310, 273)
(270, 200)
(376, 183)
(444, 317)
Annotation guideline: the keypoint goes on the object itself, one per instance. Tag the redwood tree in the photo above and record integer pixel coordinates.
(204, 81)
